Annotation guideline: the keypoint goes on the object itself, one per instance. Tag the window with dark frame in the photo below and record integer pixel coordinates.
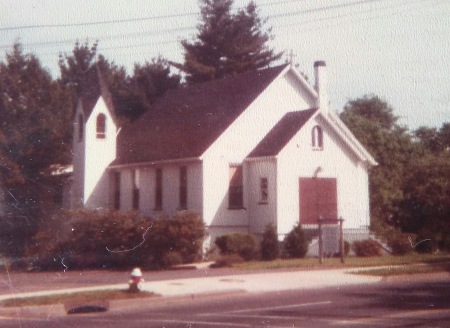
(117, 190)
(135, 196)
(158, 190)
(101, 126)
(183, 187)
(80, 127)
(317, 138)
(264, 191)
(236, 188)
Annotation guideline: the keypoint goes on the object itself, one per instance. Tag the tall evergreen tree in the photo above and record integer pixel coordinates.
(31, 111)
(226, 43)
(32, 137)
(73, 68)
(153, 79)
(132, 94)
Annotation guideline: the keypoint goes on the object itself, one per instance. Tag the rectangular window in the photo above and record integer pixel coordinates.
(236, 188)
(116, 190)
(183, 187)
(158, 190)
(135, 181)
(263, 191)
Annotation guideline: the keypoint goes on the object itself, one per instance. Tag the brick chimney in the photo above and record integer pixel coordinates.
(320, 71)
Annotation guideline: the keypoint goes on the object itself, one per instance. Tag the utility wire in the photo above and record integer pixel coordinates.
(325, 8)
(128, 20)
(113, 21)
(141, 34)
(108, 37)
(339, 16)
(159, 17)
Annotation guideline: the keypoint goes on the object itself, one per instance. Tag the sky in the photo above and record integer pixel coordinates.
(398, 50)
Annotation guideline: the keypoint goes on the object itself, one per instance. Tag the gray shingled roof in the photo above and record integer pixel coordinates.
(184, 122)
(281, 133)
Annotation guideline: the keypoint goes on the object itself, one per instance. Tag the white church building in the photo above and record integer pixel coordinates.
(244, 151)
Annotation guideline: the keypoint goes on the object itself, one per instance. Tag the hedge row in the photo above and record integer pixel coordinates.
(238, 247)
(109, 239)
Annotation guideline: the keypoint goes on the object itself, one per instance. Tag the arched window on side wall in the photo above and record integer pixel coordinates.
(80, 122)
(101, 126)
(317, 138)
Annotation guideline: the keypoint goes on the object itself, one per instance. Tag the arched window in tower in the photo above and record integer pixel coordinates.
(317, 138)
(101, 126)
(80, 123)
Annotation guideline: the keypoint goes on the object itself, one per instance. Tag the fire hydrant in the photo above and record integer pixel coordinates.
(136, 280)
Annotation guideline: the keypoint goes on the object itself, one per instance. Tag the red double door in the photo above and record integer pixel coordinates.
(318, 199)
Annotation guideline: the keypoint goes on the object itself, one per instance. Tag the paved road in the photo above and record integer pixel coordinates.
(384, 304)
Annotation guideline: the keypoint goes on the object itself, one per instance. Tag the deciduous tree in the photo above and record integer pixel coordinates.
(426, 203)
(372, 121)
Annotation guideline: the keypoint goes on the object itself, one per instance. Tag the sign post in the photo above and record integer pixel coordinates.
(341, 239)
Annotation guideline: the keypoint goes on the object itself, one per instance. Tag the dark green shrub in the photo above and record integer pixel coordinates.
(15, 232)
(400, 244)
(227, 261)
(238, 243)
(87, 239)
(366, 248)
(270, 247)
(171, 258)
(111, 239)
(182, 233)
(296, 243)
(425, 245)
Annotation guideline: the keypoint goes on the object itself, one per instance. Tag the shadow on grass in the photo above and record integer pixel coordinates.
(441, 263)
(410, 297)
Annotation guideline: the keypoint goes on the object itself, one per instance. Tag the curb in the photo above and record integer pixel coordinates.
(59, 310)
(54, 310)
(417, 277)
(117, 305)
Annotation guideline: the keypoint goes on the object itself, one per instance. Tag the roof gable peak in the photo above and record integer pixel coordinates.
(93, 86)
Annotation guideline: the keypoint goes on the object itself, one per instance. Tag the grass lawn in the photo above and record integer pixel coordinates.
(408, 269)
(79, 297)
(440, 262)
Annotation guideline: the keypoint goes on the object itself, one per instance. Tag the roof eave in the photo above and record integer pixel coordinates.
(303, 81)
(350, 139)
(261, 158)
(154, 163)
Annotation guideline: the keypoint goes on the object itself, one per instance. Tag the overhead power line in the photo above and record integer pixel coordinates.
(161, 31)
(353, 13)
(325, 8)
(190, 14)
(112, 21)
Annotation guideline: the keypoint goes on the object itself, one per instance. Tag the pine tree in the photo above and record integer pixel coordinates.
(227, 43)
(132, 94)
(32, 114)
(153, 79)
(33, 136)
(74, 66)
